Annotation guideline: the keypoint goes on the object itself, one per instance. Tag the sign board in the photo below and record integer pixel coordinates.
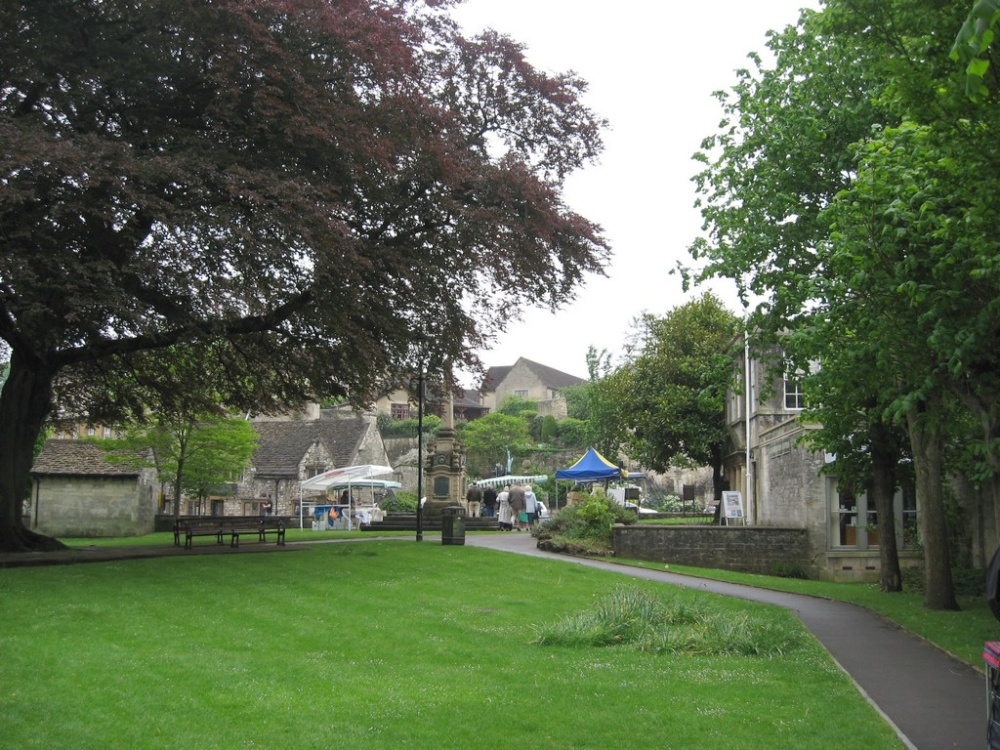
(732, 505)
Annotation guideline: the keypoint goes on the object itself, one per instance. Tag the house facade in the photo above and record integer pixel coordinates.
(400, 403)
(530, 381)
(788, 485)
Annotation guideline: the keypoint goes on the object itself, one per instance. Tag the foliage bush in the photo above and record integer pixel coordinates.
(967, 581)
(400, 502)
(550, 429)
(584, 527)
(515, 406)
(407, 427)
(668, 504)
(633, 618)
(572, 432)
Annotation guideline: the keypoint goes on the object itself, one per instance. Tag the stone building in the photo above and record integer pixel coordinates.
(531, 381)
(793, 487)
(77, 492)
(294, 449)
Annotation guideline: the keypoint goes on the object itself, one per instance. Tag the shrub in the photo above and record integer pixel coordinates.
(407, 427)
(585, 525)
(965, 581)
(400, 502)
(788, 570)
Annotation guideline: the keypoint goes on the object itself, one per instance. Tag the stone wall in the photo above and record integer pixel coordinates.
(747, 549)
(94, 506)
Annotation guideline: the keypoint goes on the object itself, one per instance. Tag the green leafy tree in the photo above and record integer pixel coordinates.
(875, 73)
(308, 192)
(192, 454)
(973, 47)
(676, 387)
(218, 451)
(577, 400)
(491, 439)
(604, 425)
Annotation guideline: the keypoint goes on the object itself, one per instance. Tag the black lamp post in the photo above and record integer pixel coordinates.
(420, 456)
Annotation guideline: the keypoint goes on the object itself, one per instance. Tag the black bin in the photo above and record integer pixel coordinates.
(453, 525)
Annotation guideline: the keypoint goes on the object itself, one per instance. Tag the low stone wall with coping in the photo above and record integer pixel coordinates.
(746, 549)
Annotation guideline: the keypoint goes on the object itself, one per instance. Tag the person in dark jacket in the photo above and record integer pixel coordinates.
(517, 506)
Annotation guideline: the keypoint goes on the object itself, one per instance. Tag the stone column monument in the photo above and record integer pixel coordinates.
(444, 473)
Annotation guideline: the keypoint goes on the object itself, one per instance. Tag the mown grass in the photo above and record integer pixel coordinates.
(392, 644)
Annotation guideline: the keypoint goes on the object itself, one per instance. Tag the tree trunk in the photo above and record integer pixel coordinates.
(882, 492)
(926, 442)
(24, 404)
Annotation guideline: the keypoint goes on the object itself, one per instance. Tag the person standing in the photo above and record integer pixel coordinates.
(516, 500)
(505, 516)
(474, 496)
(490, 501)
(530, 505)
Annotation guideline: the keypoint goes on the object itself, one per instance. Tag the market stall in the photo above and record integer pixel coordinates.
(345, 512)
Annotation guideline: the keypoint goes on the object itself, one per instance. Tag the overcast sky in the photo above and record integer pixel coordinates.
(652, 68)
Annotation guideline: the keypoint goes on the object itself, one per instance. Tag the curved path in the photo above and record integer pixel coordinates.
(932, 700)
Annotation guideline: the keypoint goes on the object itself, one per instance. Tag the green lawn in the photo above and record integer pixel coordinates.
(391, 644)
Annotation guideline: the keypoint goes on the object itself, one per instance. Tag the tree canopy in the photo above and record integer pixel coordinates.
(673, 390)
(850, 188)
(297, 197)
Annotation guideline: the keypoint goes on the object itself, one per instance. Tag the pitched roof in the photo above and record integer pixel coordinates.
(78, 458)
(549, 376)
(284, 443)
(494, 377)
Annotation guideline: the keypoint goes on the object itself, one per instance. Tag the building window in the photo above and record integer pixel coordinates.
(400, 411)
(521, 394)
(795, 399)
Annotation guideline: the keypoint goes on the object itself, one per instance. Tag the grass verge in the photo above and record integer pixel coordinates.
(960, 633)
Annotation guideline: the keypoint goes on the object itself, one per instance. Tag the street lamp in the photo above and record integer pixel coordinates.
(420, 455)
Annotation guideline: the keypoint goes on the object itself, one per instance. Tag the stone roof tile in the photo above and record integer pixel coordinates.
(78, 458)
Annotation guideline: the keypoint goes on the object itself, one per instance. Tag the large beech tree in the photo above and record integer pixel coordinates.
(300, 193)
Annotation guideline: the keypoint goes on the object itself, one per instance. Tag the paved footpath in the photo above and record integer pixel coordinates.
(933, 700)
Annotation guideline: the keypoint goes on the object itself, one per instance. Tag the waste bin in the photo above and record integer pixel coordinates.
(453, 525)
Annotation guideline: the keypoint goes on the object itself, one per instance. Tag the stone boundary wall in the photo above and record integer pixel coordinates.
(746, 549)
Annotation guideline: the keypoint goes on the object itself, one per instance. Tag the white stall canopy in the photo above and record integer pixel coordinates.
(510, 479)
(346, 477)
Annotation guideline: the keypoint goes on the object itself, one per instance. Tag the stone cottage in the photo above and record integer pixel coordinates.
(77, 492)
(294, 449)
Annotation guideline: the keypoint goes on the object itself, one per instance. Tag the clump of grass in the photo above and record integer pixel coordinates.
(631, 617)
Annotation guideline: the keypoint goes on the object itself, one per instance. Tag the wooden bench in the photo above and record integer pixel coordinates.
(190, 529)
(234, 528)
(262, 527)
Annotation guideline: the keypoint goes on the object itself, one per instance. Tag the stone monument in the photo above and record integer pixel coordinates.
(444, 473)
